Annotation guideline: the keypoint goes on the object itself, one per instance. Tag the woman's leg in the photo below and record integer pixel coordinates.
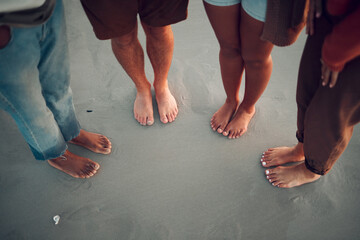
(258, 66)
(225, 22)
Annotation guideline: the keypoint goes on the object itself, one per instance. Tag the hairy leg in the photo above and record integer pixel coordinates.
(75, 166)
(160, 47)
(281, 155)
(129, 53)
(292, 176)
(225, 22)
(258, 66)
(93, 141)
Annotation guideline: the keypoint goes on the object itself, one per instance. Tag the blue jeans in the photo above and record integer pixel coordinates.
(34, 86)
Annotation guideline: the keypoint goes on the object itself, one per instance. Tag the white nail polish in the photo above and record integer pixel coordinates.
(273, 184)
(269, 180)
(267, 171)
(267, 177)
(264, 163)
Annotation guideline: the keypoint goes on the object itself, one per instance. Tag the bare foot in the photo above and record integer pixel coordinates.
(221, 118)
(292, 176)
(143, 108)
(239, 124)
(166, 105)
(281, 155)
(75, 166)
(94, 142)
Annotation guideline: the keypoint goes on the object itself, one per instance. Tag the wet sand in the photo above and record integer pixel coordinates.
(179, 181)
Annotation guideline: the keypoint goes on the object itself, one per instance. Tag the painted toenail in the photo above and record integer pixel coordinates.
(263, 163)
(267, 171)
(269, 180)
(267, 177)
(273, 184)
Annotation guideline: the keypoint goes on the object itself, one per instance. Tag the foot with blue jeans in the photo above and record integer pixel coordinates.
(35, 91)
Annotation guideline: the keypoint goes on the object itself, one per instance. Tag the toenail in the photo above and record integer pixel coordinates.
(267, 177)
(267, 171)
(269, 180)
(264, 163)
(273, 184)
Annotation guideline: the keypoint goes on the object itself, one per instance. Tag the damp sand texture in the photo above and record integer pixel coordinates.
(178, 181)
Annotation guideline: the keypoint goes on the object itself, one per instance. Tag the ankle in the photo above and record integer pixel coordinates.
(143, 87)
(232, 101)
(161, 86)
(247, 108)
(299, 149)
(308, 173)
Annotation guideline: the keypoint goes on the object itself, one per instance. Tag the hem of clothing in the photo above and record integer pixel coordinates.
(222, 3)
(310, 168)
(49, 156)
(107, 35)
(300, 137)
(250, 12)
(253, 14)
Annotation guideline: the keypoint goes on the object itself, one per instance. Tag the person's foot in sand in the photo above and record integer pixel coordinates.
(292, 176)
(93, 141)
(75, 166)
(239, 124)
(143, 108)
(281, 155)
(221, 118)
(167, 106)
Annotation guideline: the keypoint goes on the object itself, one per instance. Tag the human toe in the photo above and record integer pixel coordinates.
(164, 119)
(269, 171)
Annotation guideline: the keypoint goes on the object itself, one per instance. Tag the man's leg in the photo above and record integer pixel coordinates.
(129, 53)
(160, 46)
(55, 83)
(21, 96)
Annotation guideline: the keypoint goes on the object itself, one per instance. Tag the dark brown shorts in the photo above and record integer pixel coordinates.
(114, 18)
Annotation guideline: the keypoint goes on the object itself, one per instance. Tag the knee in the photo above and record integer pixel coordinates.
(257, 60)
(125, 40)
(230, 50)
(158, 33)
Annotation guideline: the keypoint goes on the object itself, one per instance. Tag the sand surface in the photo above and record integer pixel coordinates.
(179, 181)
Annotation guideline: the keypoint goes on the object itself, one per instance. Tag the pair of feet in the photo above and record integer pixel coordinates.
(291, 176)
(232, 120)
(80, 167)
(143, 108)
